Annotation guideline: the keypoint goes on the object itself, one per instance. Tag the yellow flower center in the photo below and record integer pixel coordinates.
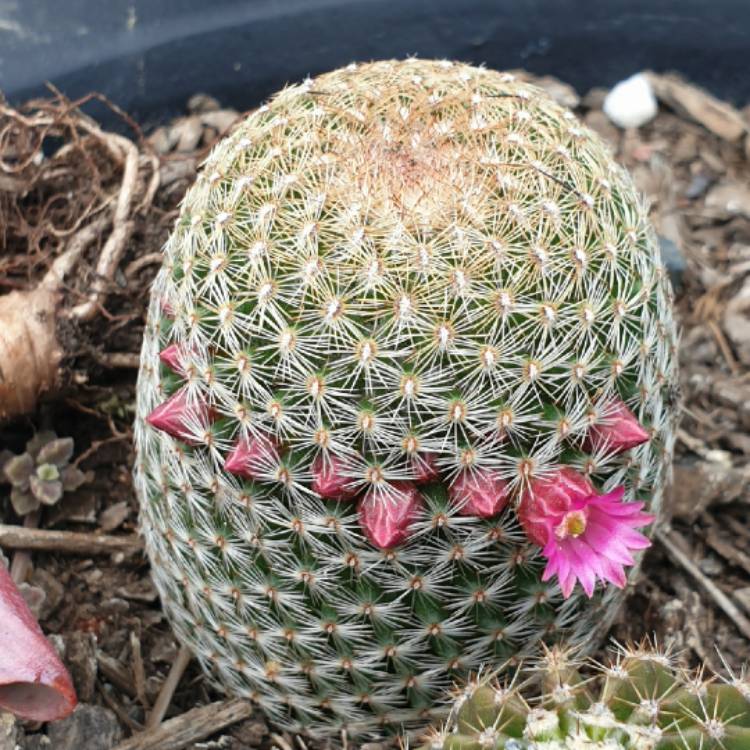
(573, 524)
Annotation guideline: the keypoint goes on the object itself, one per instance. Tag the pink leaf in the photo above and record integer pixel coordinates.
(34, 684)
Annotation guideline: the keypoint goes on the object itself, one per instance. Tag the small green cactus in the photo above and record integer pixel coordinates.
(42, 474)
(640, 701)
(406, 392)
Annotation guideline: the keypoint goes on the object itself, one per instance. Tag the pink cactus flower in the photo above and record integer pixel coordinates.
(34, 684)
(425, 468)
(253, 457)
(479, 492)
(618, 430)
(584, 536)
(173, 357)
(387, 515)
(330, 479)
(181, 417)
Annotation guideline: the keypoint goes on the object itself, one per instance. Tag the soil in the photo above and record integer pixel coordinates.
(693, 593)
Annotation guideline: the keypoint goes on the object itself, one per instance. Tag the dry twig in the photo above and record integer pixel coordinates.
(167, 690)
(720, 598)
(192, 726)
(73, 542)
(116, 673)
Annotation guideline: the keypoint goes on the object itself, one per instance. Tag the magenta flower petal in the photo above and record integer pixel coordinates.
(387, 515)
(566, 579)
(34, 684)
(584, 563)
(619, 430)
(613, 573)
(608, 545)
(478, 492)
(615, 497)
(253, 457)
(584, 536)
(331, 480)
(181, 417)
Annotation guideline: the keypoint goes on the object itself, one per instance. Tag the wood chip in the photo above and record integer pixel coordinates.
(719, 117)
(727, 550)
(737, 322)
(116, 673)
(742, 597)
(114, 516)
(730, 199)
(563, 93)
(9, 731)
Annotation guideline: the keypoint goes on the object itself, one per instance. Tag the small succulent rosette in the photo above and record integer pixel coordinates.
(42, 473)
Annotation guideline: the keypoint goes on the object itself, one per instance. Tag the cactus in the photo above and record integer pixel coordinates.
(640, 701)
(397, 298)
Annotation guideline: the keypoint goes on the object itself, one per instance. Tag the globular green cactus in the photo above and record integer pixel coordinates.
(640, 701)
(402, 301)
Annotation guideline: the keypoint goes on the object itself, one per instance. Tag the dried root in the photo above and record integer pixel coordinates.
(30, 355)
(69, 196)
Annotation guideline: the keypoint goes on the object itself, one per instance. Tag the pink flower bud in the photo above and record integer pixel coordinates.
(478, 492)
(585, 536)
(181, 417)
(173, 357)
(253, 457)
(387, 515)
(618, 430)
(330, 479)
(425, 468)
(167, 309)
(34, 684)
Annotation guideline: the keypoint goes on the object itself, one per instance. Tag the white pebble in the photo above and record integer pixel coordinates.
(631, 103)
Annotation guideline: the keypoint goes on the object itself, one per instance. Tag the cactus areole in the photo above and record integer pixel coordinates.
(399, 301)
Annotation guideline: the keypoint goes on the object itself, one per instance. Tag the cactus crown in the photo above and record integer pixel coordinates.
(396, 272)
(640, 701)
(409, 258)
